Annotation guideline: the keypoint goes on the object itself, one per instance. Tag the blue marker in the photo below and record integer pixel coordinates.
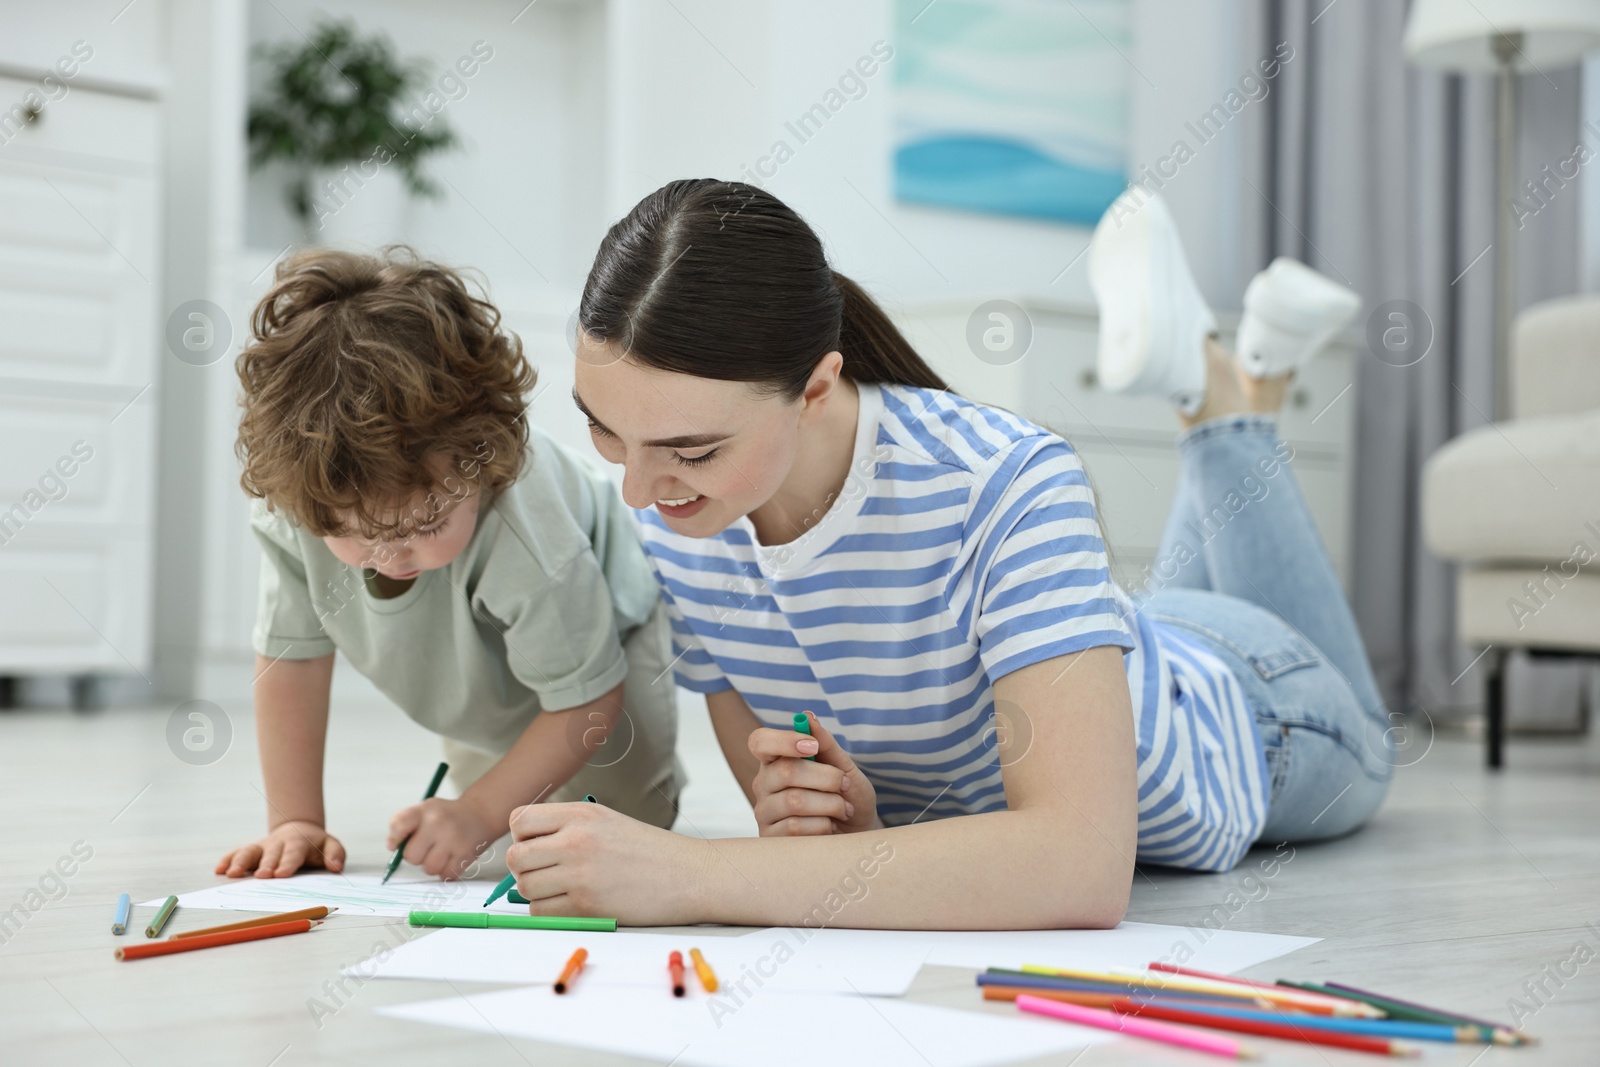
(119, 924)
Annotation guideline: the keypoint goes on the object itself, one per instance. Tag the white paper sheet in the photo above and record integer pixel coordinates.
(764, 959)
(1129, 945)
(799, 1029)
(352, 894)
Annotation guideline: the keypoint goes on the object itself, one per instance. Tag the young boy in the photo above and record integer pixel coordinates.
(482, 576)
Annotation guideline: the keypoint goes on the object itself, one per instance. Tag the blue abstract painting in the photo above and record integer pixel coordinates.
(1013, 107)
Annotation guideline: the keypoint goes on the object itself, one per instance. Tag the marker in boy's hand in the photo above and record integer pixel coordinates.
(808, 785)
(446, 835)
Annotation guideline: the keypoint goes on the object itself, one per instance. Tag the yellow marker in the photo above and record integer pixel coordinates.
(708, 977)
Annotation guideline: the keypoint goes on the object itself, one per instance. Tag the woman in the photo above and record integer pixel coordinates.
(995, 730)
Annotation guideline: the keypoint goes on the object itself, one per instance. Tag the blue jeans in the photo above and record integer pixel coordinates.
(1242, 569)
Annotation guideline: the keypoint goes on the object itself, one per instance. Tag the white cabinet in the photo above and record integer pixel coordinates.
(1127, 442)
(79, 338)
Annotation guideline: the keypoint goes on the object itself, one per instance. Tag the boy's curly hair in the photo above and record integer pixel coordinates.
(362, 369)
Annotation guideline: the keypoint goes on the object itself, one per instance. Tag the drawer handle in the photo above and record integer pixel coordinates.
(32, 115)
(1300, 398)
(1088, 379)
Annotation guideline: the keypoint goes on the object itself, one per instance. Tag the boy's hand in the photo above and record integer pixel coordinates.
(286, 848)
(446, 835)
(797, 797)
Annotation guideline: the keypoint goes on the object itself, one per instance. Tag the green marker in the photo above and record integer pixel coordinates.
(433, 787)
(802, 725)
(510, 880)
(477, 920)
(500, 890)
(168, 906)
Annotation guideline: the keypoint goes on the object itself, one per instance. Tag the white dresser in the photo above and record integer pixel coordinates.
(1126, 442)
(79, 349)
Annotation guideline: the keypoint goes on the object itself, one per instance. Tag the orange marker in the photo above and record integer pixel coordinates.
(708, 977)
(570, 971)
(229, 937)
(675, 967)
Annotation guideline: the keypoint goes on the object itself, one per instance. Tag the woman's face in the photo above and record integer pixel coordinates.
(703, 452)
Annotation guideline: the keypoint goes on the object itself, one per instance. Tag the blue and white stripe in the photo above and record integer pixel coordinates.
(964, 546)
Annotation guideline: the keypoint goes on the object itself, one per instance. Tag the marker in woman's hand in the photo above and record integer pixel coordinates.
(802, 725)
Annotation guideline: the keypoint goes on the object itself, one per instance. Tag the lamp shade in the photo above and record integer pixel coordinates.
(1459, 35)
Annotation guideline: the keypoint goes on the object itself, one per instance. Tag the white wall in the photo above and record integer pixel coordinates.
(705, 87)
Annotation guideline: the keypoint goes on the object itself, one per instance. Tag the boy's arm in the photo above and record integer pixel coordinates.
(291, 732)
(291, 699)
(549, 752)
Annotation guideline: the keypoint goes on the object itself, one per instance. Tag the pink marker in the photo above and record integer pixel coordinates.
(1182, 1036)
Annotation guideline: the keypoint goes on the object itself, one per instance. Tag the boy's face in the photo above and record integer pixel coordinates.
(438, 526)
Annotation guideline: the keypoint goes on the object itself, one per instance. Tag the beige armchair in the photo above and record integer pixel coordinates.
(1517, 504)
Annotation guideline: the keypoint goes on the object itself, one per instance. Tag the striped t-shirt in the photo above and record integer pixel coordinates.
(963, 546)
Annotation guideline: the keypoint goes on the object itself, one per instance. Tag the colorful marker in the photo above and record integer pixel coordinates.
(675, 968)
(433, 787)
(708, 977)
(119, 922)
(802, 725)
(500, 890)
(570, 971)
(477, 920)
(168, 906)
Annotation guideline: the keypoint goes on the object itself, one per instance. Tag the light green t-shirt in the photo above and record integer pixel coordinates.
(532, 615)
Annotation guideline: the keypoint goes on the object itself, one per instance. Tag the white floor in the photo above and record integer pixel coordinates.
(1465, 887)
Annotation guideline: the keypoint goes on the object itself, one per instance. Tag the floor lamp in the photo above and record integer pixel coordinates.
(1503, 38)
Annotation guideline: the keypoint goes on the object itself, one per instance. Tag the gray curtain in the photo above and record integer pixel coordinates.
(1381, 176)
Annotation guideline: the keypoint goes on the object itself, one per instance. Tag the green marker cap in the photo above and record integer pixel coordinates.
(802, 725)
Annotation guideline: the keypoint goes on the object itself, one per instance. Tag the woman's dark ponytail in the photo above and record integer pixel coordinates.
(722, 280)
(873, 347)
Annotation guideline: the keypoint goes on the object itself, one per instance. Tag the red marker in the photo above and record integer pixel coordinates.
(675, 966)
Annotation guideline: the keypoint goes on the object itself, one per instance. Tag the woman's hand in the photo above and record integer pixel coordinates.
(797, 797)
(585, 859)
(446, 835)
(286, 848)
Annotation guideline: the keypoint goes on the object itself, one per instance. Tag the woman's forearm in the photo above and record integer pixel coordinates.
(291, 700)
(1028, 869)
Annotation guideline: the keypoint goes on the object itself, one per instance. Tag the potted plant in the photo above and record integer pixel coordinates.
(334, 110)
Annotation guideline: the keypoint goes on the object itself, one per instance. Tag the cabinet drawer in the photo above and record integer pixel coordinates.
(73, 460)
(79, 327)
(1135, 485)
(76, 603)
(1055, 383)
(61, 220)
(83, 123)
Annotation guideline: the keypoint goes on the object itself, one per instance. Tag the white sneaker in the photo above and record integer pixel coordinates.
(1153, 320)
(1290, 312)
